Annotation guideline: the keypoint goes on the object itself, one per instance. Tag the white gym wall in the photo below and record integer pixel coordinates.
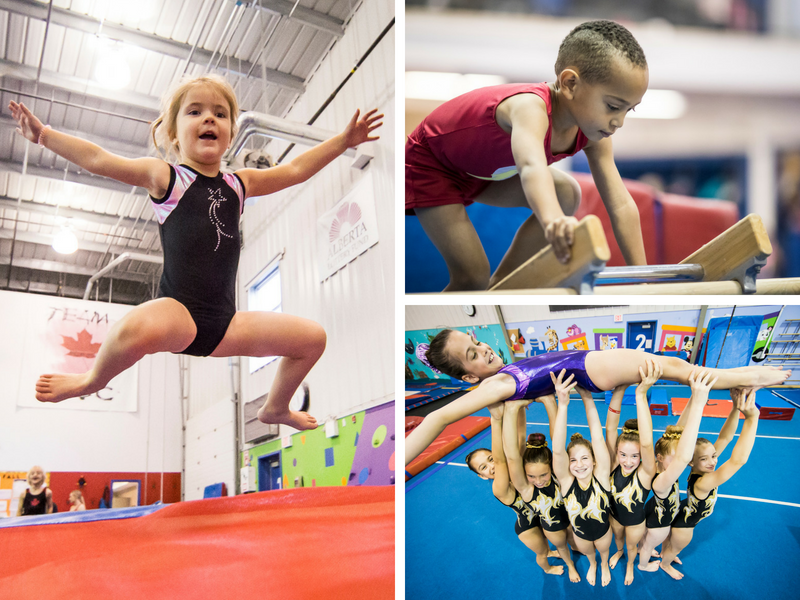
(356, 304)
(148, 440)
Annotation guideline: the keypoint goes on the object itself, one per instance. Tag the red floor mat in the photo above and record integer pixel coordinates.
(451, 438)
(325, 542)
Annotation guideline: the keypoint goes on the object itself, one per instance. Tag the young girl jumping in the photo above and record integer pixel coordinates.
(198, 209)
(492, 466)
(470, 148)
(701, 490)
(673, 453)
(457, 354)
(583, 469)
(532, 476)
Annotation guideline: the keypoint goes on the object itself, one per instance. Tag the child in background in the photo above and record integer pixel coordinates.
(38, 498)
(469, 149)
(198, 209)
(76, 501)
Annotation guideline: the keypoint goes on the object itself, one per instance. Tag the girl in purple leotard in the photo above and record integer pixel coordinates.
(457, 354)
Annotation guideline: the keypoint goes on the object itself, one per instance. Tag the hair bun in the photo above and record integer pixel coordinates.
(536, 440)
(576, 436)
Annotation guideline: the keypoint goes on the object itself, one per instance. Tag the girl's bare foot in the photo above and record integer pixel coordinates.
(573, 574)
(772, 377)
(55, 387)
(629, 574)
(554, 570)
(591, 574)
(670, 570)
(292, 418)
(650, 567)
(605, 575)
(612, 562)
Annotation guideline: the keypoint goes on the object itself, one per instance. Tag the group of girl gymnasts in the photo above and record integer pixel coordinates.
(589, 492)
(198, 208)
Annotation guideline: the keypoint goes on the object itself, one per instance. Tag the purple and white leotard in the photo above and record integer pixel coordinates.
(532, 374)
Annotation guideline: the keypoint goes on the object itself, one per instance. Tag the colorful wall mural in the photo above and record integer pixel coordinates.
(362, 454)
(488, 334)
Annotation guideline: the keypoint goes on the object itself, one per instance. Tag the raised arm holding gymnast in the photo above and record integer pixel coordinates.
(195, 312)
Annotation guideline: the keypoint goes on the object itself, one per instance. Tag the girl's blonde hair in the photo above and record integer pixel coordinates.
(668, 443)
(166, 137)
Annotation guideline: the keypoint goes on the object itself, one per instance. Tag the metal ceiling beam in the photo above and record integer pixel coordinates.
(74, 213)
(305, 16)
(117, 146)
(87, 24)
(84, 177)
(87, 87)
(51, 266)
(56, 289)
(44, 239)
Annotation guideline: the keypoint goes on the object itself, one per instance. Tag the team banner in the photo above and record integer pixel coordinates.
(64, 336)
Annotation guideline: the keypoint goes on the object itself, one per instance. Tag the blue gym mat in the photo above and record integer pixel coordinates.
(460, 540)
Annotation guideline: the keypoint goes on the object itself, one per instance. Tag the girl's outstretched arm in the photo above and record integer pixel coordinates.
(262, 182)
(612, 422)
(551, 407)
(512, 447)
(741, 451)
(150, 173)
(645, 422)
(501, 484)
(728, 430)
(701, 383)
(602, 469)
(494, 389)
(560, 458)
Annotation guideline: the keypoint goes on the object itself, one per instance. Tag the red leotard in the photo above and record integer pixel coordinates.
(459, 148)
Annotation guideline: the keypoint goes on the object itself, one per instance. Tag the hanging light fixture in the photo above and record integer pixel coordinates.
(111, 69)
(65, 241)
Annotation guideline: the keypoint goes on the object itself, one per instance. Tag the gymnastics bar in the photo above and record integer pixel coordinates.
(790, 285)
(737, 253)
(590, 253)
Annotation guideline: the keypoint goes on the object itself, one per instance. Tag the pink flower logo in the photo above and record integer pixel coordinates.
(349, 212)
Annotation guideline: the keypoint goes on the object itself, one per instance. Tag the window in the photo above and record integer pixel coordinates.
(264, 293)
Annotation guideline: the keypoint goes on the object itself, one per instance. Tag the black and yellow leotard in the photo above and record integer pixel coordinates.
(693, 509)
(628, 497)
(588, 509)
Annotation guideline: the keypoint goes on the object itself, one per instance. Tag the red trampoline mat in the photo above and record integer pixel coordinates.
(326, 542)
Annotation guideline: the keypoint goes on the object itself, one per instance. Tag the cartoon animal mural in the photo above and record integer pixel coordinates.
(552, 339)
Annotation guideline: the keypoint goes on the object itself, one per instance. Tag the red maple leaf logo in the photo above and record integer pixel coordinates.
(81, 346)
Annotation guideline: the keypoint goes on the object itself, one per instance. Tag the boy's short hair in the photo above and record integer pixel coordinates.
(591, 46)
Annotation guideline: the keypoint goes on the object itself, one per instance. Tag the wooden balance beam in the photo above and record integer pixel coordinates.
(733, 258)
(590, 253)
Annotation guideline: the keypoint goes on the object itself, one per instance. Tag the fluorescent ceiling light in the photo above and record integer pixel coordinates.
(425, 85)
(65, 241)
(111, 69)
(660, 104)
